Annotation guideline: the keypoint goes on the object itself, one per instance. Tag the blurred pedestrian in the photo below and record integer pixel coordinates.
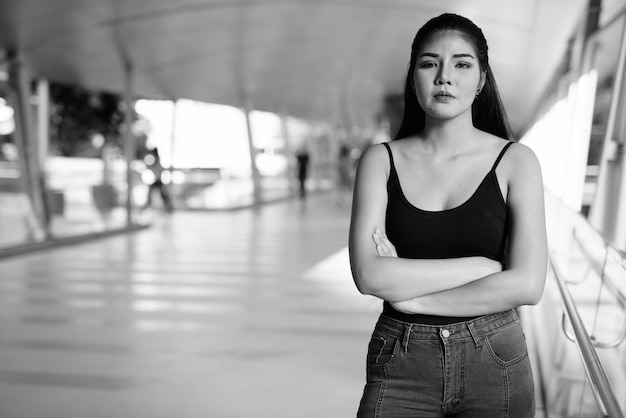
(345, 168)
(153, 163)
(302, 159)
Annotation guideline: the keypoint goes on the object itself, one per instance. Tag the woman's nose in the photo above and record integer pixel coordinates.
(442, 77)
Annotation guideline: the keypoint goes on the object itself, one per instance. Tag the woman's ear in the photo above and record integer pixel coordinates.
(483, 79)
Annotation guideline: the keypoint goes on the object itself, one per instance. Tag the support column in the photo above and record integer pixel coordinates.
(608, 212)
(26, 141)
(582, 80)
(43, 120)
(129, 140)
(173, 135)
(581, 101)
(256, 177)
(289, 152)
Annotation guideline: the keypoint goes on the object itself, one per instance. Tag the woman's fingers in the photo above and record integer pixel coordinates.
(384, 247)
(379, 241)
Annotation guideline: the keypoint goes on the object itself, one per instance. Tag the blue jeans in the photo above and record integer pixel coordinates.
(478, 368)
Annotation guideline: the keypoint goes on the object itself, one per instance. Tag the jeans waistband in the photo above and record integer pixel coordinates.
(473, 328)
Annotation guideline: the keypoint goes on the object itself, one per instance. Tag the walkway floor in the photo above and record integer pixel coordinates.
(248, 313)
(245, 313)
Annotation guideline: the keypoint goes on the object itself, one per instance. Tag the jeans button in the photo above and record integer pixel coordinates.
(445, 333)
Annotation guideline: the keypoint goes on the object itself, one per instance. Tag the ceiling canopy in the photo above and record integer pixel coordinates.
(329, 60)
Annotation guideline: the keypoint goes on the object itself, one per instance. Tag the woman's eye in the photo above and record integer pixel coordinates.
(428, 64)
(463, 64)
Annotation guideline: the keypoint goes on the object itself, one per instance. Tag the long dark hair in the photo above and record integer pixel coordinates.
(488, 113)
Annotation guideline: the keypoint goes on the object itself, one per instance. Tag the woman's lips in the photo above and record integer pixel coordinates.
(443, 96)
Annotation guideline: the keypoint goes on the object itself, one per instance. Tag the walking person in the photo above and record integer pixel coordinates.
(302, 160)
(154, 165)
(448, 229)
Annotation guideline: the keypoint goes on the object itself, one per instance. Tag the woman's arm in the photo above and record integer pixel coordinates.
(522, 282)
(396, 279)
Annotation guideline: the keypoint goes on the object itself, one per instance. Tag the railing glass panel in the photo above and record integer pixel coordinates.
(592, 276)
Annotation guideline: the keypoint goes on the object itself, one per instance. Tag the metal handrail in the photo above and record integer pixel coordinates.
(601, 388)
(611, 286)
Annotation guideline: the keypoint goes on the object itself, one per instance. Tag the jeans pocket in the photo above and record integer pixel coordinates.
(381, 350)
(507, 345)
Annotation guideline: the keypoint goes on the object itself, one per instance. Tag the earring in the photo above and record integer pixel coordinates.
(478, 92)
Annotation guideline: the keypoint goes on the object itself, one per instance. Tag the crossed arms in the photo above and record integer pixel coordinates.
(450, 287)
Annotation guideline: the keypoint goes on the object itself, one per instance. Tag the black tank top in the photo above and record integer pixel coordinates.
(477, 227)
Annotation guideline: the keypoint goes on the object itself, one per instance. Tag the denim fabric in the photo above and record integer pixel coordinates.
(479, 368)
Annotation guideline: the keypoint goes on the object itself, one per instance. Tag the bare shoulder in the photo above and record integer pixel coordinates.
(375, 157)
(520, 166)
(520, 158)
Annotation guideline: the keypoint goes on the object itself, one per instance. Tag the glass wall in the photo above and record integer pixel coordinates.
(590, 263)
(205, 153)
(187, 156)
(70, 160)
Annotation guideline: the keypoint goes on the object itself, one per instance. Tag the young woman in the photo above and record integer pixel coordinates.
(448, 229)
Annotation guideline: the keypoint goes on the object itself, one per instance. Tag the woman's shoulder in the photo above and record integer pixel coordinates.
(374, 163)
(521, 154)
(375, 154)
(519, 160)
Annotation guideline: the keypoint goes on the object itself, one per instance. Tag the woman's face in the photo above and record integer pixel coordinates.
(447, 76)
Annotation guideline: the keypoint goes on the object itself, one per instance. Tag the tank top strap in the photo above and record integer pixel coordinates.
(501, 155)
(392, 171)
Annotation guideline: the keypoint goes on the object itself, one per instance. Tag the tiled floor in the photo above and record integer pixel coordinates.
(245, 313)
(249, 313)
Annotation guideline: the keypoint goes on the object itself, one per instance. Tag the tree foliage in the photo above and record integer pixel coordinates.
(77, 114)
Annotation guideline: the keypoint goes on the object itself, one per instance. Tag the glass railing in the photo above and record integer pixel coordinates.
(83, 197)
(576, 334)
(18, 224)
(598, 382)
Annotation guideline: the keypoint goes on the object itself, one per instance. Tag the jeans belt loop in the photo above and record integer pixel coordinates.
(405, 338)
(474, 334)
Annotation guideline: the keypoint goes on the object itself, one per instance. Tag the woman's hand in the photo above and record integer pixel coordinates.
(384, 247)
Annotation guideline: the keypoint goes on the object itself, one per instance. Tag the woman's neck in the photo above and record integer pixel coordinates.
(449, 135)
